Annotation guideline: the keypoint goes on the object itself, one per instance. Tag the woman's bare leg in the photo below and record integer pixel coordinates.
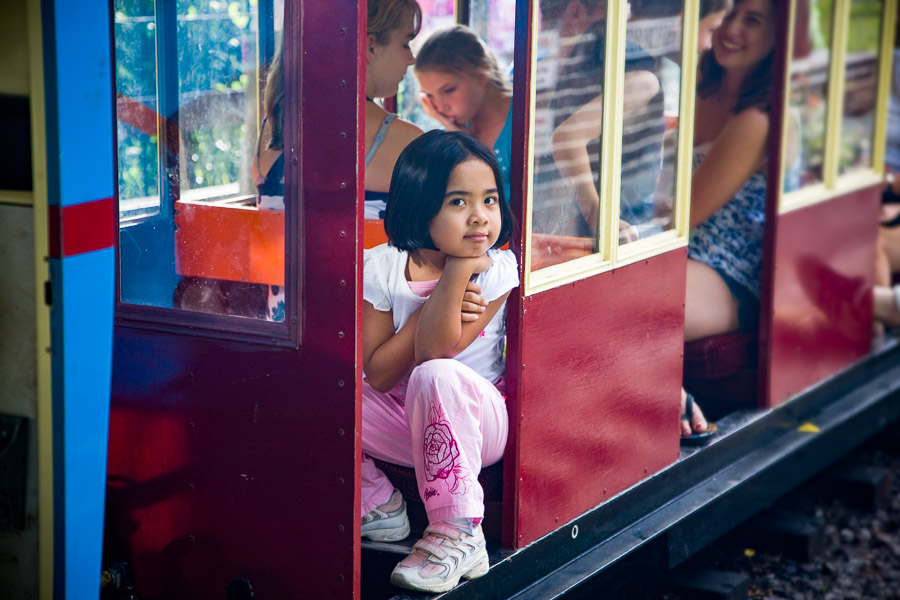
(709, 307)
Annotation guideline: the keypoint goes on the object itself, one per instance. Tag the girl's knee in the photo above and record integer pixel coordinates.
(440, 369)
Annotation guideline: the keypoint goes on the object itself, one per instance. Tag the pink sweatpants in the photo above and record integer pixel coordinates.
(446, 422)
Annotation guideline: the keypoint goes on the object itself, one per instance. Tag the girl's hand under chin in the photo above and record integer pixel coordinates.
(478, 264)
(432, 111)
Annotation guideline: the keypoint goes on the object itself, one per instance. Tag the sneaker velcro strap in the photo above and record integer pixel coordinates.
(443, 530)
(431, 548)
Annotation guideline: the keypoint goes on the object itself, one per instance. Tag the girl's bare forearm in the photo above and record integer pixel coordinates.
(440, 328)
(393, 360)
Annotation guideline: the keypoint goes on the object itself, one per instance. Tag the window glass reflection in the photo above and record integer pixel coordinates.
(649, 136)
(808, 102)
(570, 53)
(137, 127)
(861, 84)
(214, 240)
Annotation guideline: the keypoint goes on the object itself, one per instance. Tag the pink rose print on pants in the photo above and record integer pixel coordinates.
(441, 454)
(441, 451)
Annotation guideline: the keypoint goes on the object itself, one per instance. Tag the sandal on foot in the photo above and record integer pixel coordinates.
(697, 438)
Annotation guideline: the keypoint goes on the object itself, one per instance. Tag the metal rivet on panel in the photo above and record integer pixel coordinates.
(340, 432)
(343, 31)
(340, 383)
(192, 487)
(343, 185)
(341, 528)
(343, 83)
(343, 282)
(340, 576)
(343, 134)
(340, 481)
(341, 334)
(342, 233)
(192, 538)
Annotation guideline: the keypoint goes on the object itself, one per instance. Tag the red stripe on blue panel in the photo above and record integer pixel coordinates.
(81, 228)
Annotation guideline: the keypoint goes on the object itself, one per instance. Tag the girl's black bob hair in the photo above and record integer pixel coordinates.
(419, 182)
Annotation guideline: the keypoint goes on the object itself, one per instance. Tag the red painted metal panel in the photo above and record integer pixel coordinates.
(235, 459)
(821, 319)
(80, 228)
(598, 389)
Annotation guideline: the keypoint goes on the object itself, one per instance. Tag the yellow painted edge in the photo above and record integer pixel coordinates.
(16, 197)
(684, 166)
(786, 108)
(567, 272)
(42, 311)
(611, 139)
(837, 76)
(528, 192)
(856, 179)
(815, 194)
(884, 84)
(594, 264)
(650, 246)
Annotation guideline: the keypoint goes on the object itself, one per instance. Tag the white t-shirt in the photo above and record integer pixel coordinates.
(385, 287)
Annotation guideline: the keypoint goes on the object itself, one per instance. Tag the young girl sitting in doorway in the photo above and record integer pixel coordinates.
(433, 331)
(465, 90)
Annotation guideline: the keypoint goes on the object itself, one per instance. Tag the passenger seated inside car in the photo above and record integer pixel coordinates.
(391, 26)
(729, 182)
(464, 89)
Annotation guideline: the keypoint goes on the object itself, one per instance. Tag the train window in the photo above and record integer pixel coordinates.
(201, 186)
(650, 120)
(860, 85)
(602, 201)
(808, 99)
(568, 70)
(137, 109)
(838, 85)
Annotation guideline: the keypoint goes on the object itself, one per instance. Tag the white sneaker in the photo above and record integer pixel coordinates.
(383, 525)
(443, 556)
